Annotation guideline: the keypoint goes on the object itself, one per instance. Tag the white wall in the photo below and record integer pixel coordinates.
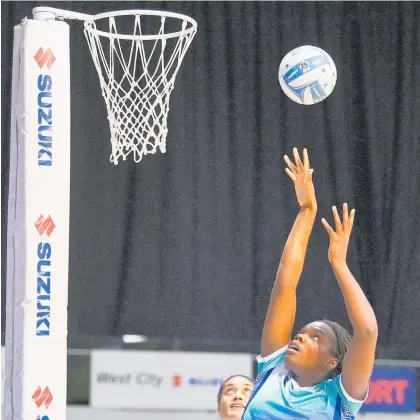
(86, 413)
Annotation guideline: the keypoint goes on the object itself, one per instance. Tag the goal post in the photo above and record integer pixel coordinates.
(38, 223)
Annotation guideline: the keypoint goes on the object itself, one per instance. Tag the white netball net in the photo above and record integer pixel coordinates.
(137, 74)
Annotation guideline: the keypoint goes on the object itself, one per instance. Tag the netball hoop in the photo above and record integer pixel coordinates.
(137, 54)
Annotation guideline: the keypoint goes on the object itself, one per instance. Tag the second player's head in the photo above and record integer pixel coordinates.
(233, 396)
(317, 351)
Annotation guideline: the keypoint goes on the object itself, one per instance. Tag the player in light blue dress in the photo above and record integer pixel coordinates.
(323, 373)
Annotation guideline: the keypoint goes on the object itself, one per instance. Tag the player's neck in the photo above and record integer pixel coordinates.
(306, 380)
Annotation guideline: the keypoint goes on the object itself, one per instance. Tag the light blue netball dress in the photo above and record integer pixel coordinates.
(277, 395)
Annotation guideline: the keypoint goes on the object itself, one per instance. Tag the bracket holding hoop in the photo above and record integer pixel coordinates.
(136, 71)
(50, 13)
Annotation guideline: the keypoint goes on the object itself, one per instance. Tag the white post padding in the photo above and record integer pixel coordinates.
(38, 224)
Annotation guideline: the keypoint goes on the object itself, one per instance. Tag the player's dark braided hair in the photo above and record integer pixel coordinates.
(219, 394)
(343, 339)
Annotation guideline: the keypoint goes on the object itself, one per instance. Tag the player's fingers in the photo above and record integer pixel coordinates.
(345, 213)
(290, 164)
(306, 164)
(351, 219)
(308, 175)
(298, 162)
(337, 221)
(291, 174)
(328, 228)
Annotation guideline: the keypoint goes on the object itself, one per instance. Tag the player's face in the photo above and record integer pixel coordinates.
(234, 398)
(312, 351)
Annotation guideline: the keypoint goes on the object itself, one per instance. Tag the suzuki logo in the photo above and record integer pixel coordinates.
(42, 57)
(42, 397)
(46, 225)
(176, 380)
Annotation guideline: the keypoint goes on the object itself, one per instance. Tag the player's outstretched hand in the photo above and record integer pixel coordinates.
(301, 175)
(339, 238)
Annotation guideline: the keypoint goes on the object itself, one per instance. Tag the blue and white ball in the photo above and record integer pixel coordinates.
(307, 75)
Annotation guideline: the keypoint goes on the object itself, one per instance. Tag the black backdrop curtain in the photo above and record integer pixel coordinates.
(187, 243)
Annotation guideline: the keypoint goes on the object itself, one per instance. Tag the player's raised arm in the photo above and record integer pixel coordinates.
(360, 355)
(280, 316)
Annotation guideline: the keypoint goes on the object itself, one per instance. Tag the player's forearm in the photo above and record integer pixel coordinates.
(293, 257)
(281, 311)
(360, 312)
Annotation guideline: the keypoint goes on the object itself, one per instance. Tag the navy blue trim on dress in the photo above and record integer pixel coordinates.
(258, 385)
